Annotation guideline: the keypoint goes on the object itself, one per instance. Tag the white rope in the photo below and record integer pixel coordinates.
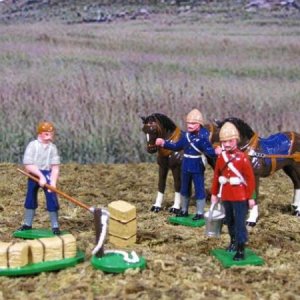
(133, 259)
(129, 258)
(104, 223)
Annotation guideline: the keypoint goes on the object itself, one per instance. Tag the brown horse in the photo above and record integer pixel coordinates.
(268, 155)
(155, 126)
(160, 126)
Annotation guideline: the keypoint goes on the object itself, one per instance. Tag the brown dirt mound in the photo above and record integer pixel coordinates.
(179, 261)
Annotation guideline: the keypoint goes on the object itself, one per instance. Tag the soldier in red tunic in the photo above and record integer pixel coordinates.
(234, 184)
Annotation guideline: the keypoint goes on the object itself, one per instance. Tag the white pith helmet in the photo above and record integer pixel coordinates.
(195, 116)
(228, 132)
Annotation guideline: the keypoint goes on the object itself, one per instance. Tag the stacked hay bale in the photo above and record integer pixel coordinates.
(20, 254)
(13, 255)
(122, 223)
(54, 248)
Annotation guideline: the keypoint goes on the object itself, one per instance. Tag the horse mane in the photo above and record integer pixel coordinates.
(165, 121)
(243, 128)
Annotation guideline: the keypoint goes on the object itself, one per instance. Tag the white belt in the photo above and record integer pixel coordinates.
(191, 156)
(230, 180)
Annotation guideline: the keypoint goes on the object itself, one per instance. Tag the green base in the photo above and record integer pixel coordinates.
(32, 234)
(187, 221)
(114, 263)
(47, 266)
(226, 258)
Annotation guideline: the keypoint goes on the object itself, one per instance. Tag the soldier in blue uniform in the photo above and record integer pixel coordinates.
(195, 143)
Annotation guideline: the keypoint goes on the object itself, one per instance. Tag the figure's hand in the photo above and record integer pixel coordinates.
(251, 203)
(218, 150)
(160, 142)
(213, 199)
(53, 184)
(42, 181)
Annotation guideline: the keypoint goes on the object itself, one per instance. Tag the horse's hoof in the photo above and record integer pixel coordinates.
(174, 210)
(155, 209)
(250, 224)
(297, 213)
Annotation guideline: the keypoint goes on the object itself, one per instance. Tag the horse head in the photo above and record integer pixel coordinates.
(152, 131)
(156, 126)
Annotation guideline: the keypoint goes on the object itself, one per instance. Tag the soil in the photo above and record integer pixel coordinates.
(179, 262)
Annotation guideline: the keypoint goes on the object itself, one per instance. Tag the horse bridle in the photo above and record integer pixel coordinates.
(251, 144)
(152, 126)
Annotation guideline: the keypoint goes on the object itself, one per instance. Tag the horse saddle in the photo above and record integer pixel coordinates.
(278, 143)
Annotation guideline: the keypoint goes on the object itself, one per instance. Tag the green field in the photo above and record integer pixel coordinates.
(94, 81)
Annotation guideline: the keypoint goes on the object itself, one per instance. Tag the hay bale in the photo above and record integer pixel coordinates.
(121, 242)
(69, 245)
(18, 255)
(4, 248)
(53, 248)
(35, 251)
(122, 224)
(122, 211)
(121, 229)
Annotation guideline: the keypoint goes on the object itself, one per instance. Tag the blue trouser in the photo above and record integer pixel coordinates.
(198, 179)
(235, 216)
(32, 191)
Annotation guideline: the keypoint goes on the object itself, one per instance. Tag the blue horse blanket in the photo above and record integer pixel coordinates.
(278, 143)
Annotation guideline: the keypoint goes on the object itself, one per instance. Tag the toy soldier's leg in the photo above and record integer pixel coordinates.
(185, 201)
(28, 219)
(30, 204)
(52, 204)
(53, 207)
(185, 194)
(232, 245)
(198, 180)
(240, 211)
(200, 203)
(29, 215)
(229, 217)
(54, 222)
(240, 252)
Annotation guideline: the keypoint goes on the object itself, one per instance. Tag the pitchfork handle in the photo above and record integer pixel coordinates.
(53, 189)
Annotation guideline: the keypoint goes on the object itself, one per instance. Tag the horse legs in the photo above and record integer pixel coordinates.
(253, 212)
(163, 172)
(296, 203)
(176, 172)
(294, 174)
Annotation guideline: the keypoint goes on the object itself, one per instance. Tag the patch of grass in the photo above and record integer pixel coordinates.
(276, 72)
(94, 82)
(18, 59)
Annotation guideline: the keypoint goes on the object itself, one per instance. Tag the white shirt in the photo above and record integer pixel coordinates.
(41, 155)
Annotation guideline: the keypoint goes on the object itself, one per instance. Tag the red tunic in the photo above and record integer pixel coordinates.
(239, 192)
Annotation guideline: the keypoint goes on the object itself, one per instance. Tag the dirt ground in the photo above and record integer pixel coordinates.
(179, 263)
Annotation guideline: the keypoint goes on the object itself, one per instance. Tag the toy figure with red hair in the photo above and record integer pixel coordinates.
(41, 159)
